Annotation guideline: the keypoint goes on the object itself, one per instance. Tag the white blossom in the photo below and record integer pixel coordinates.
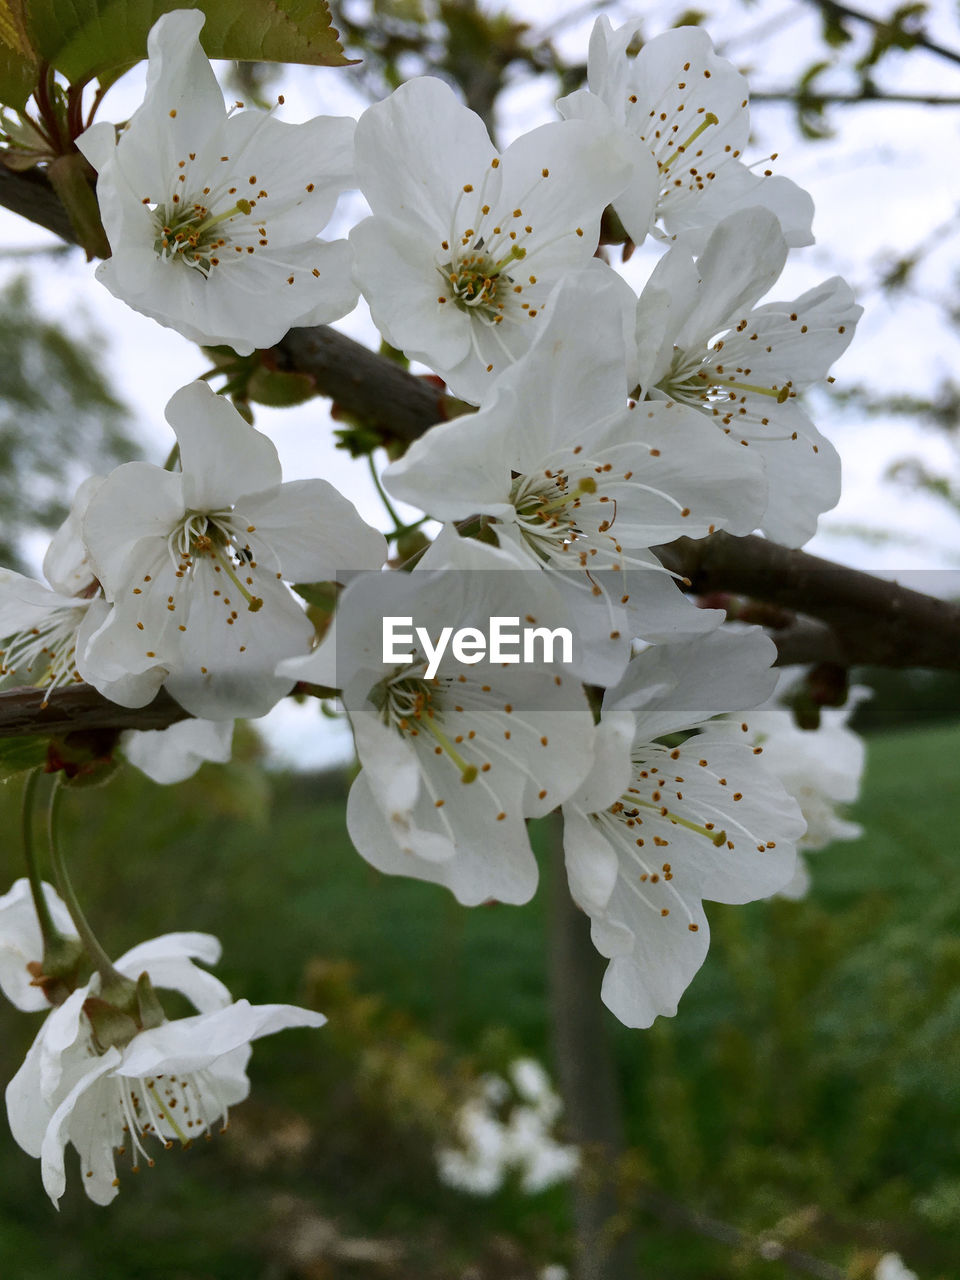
(44, 629)
(702, 341)
(656, 829)
(194, 562)
(213, 216)
(173, 1080)
(821, 768)
(21, 943)
(502, 1131)
(580, 482)
(453, 765)
(685, 111)
(465, 245)
(177, 752)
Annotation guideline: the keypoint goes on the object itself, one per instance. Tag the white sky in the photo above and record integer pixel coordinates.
(883, 185)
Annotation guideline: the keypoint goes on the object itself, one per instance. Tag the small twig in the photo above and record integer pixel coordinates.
(873, 97)
(917, 38)
(672, 1211)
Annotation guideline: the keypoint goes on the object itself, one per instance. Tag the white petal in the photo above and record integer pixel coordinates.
(396, 269)
(135, 501)
(78, 1119)
(221, 455)
(191, 1044)
(177, 752)
(417, 149)
(678, 686)
(313, 529)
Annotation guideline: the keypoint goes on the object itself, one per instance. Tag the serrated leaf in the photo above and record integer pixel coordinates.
(18, 755)
(18, 66)
(12, 30)
(84, 39)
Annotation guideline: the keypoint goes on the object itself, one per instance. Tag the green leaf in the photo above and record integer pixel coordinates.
(18, 62)
(18, 755)
(280, 388)
(18, 75)
(84, 39)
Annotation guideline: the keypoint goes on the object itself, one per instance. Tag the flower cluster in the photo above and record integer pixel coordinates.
(604, 425)
(506, 1128)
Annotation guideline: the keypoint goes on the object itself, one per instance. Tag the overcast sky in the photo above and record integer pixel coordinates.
(883, 185)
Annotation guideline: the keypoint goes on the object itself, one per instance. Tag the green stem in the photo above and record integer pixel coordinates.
(398, 525)
(173, 457)
(51, 934)
(98, 957)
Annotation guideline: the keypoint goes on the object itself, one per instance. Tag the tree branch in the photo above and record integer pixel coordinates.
(873, 621)
(860, 619)
(810, 98)
(917, 38)
(31, 195)
(672, 1211)
(79, 707)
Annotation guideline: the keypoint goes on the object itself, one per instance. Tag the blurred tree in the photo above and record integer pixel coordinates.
(59, 419)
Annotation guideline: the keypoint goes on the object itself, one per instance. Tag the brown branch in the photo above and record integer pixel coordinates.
(807, 98)
(31, 195)
(79, 707)
(863, 619)
(873, 621)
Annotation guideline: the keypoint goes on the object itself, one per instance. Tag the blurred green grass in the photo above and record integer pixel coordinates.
(810, 1074)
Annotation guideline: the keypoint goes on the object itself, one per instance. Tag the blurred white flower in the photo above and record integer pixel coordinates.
(891, 1267)
(505, 1131)
(177, 752)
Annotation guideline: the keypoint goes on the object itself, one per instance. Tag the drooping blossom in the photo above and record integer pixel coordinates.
(656, 829)
(21, 943)
(213, 215)
(194, 563)
(702, 341)
(465, 244)
(169, 1080)
(453, 764)
(685, 110)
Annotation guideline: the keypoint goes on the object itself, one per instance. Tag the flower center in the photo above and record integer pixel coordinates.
(211, 534)
(47, 652)
(168, 1107)
(478, 283)
(413, 706)
(693, 381)
(191, 234)
(547, 508)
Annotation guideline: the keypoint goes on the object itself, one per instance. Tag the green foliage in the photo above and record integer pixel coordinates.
(100, 39)
(807, 1085)
(59, 420)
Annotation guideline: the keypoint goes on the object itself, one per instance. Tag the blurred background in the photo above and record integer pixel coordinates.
(807, 1088)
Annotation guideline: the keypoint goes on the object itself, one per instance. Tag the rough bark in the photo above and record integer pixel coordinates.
(587, 1080)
